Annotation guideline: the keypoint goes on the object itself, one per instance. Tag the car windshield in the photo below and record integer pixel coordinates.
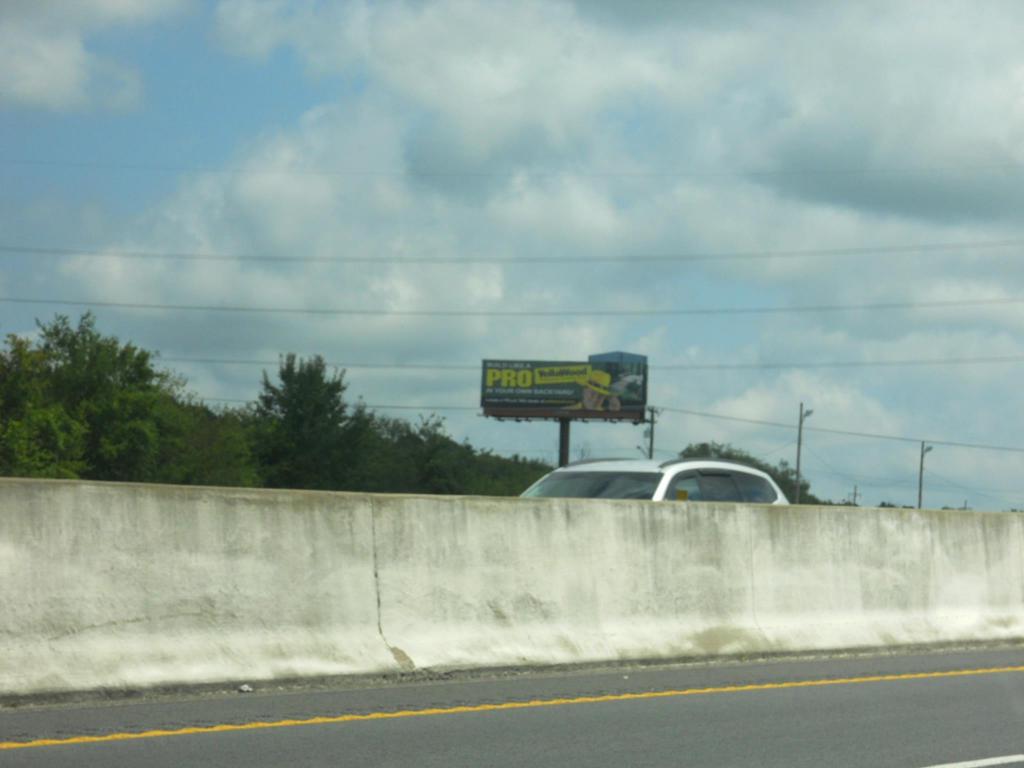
(597, 485)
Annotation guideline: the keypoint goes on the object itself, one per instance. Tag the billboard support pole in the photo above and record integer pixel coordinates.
(650, 445)
(563, 442)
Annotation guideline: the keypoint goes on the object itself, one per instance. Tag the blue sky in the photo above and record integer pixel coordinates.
(858, 153)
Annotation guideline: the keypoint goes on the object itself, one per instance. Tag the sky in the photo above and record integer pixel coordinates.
(815, 203)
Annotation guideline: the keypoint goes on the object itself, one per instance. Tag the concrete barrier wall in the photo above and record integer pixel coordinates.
(829, 577)
(108, 585)
(111, 585)
(555, 581)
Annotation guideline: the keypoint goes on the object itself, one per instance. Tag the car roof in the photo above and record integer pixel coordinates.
(654, 466)
(613, 465)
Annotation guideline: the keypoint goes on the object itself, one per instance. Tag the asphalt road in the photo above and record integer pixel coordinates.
(905, 711)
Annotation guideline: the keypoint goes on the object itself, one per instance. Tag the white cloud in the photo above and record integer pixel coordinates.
(875, 108)
(843, 405)
(46, 71)
(45, 61)
(491, 70)
(562, 210)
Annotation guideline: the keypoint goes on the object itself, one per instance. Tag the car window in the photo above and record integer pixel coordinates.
(755, 489)
(684, 487)
(718, 487)
(597, 485)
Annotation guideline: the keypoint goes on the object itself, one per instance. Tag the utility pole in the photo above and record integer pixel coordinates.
(920, 473)
(799, 445)
(855, 494)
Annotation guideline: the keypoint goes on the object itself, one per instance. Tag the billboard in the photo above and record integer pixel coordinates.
(609, 386)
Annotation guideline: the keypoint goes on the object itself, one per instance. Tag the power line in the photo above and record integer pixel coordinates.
(428, 171)
(999, 492)
(765, 454)
(867, 480)
(360, 403)
(11, 249)
(887, 482)
(849, 433)
(895, 486)
(692, 311)
(380, 366)
(723, 417)
(909, 362)
(420, 407)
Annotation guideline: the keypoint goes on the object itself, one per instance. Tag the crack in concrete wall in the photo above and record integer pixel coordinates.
(401, 657)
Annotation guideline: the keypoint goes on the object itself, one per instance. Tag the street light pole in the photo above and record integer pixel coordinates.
(799, 445)
(920, 473)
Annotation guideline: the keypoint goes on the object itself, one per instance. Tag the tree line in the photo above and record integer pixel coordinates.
(75, 403)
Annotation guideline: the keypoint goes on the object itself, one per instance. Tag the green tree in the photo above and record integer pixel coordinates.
(442, 465)
(38, 438)
(199, 446)
(501, 476)
(783, 473)
(387, 461)
(113, 389)
(302, 431)
(422, 458)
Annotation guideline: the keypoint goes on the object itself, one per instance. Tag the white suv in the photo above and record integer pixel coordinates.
(677, 480)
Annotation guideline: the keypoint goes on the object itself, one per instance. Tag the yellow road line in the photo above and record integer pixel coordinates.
(560, 702)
